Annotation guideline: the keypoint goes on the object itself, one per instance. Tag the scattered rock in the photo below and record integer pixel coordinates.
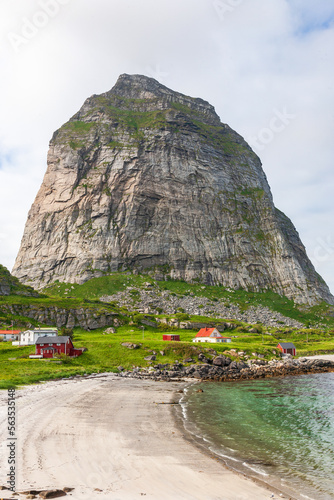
(129, 345)
(110, 330)
(52, 493)
(231, 370)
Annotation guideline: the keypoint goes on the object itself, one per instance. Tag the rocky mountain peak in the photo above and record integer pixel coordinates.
(146, 179)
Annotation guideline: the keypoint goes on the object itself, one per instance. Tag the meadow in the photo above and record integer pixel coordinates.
(105, 352)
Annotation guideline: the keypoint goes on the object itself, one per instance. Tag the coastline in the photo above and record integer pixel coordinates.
(113, 438)
(237, 466)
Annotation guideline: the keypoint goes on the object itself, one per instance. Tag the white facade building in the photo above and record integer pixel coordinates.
(29, 337)
(210, 335)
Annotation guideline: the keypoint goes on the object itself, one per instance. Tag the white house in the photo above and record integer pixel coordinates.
(8, 335)
(210, 335)
(29, 337)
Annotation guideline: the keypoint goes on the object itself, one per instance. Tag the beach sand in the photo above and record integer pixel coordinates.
(115, 435)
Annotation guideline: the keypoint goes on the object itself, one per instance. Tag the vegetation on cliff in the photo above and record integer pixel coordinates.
(10, 285)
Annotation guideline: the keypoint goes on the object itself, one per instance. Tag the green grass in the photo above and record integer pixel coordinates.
(116, 282)
(78, 126)
(105, 352)
(97, 287)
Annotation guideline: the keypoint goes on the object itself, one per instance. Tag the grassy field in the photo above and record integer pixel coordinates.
(105, 352)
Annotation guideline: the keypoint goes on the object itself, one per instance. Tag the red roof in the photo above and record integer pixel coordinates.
(9, 332)
(206, 332)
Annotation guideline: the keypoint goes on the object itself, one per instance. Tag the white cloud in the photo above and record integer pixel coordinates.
(260, 57)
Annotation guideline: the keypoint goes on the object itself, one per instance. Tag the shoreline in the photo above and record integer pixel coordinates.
(204, 446)
(112, 438)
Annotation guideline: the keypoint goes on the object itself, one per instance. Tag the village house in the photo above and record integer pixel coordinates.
(49, 347)
(287, 348)
(29, 337)
(171, 337)
(210, 335)
(9, 335)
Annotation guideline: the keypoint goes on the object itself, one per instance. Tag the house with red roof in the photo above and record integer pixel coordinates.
(210, 335)
(9, 335)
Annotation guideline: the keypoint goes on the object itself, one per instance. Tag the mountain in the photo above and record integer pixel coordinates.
(146, 179)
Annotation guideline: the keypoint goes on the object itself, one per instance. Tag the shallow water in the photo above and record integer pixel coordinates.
(280, 429)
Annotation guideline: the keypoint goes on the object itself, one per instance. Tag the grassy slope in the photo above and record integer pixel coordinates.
(15, 286)
(111, 284)
(105, 352)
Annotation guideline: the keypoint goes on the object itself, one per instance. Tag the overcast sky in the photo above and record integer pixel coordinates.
(266, 65)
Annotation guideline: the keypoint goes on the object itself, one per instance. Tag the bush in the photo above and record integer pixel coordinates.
(63, 358)
(182, 316)
(67, 332)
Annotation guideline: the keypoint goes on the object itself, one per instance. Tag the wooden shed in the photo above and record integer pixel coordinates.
(287, 348)
(171, 337)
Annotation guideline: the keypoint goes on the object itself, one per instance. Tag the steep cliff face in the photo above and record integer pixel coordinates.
(145, 178)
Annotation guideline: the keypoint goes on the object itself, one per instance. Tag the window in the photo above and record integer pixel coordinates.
(58, 344)
(41, 345)
(51, 345)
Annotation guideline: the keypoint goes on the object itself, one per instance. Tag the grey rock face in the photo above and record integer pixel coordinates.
(149, 179)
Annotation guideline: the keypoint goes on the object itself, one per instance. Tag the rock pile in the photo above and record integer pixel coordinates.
(153, 301)
(223, 368)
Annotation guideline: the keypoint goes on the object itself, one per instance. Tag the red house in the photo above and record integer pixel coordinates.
(170, 337)
(287, 348)
(48, 347)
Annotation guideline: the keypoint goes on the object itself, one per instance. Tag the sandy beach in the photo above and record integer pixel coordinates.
(112, 438)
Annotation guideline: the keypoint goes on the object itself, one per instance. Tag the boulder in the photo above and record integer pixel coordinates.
(129, 345)
(52, 493)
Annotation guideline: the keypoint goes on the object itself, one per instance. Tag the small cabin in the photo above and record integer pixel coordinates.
(171, 337)
(48, 347)
(210, 335)
(287, 348)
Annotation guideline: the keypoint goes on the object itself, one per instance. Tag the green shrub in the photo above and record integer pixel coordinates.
(182, 316)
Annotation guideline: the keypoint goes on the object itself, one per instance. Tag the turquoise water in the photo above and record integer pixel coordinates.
(280, 430)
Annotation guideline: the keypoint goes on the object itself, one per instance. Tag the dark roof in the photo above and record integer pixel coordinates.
(52, 340)
(287, 345)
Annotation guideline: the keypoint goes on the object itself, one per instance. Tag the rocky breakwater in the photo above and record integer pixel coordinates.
(222, 368)
(145, 178)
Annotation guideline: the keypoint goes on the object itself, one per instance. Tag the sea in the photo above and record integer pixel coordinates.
(278, 430)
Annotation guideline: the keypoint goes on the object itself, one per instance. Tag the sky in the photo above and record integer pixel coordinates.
(267, 66)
